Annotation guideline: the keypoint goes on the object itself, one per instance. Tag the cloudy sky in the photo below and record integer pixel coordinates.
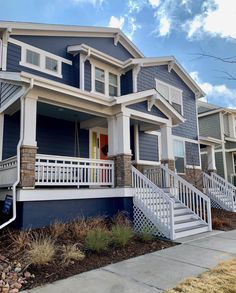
(183, 28)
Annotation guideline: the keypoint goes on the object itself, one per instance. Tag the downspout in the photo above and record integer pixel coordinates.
(14, 186)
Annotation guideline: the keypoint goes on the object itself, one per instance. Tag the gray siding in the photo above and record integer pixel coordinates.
(143, 107)
(192, 154)
(229, 164)
(146, 80)
(204, 162)
(87, 76)
(210, 126)
(219, 164)
(148, 147)
(226, 124)
(7, 92)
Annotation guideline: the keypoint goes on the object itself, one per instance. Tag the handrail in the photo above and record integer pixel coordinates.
(189, 195)
(8, 163)
(153, 201)
(220, 189)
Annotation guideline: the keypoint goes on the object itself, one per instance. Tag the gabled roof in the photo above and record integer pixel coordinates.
(212, 109)
(40, 29)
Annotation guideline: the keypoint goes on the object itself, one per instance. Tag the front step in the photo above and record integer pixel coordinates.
(183, 232)
(186, 223)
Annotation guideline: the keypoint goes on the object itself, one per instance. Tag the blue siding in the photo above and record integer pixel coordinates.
(126, 83)
(58, 45)
(148, 147)
(143, 107)
(69, 72)
(43, 213)
(192, 154)
(57, 137)
(146, 80)
(87, 76)
(11, 135)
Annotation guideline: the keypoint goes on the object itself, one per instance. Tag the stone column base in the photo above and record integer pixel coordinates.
(27, 166)
(123, 170)
(170, 163)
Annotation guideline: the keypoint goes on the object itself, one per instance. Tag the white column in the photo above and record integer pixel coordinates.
(123, 134)
(211, 157)
(29, 121)
(82, 60)
(112, 136)
(167, 152)
(1, 134)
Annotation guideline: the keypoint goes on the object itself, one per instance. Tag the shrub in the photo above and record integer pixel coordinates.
(58, 228)
(121, 219)
(146, 234)
(221, 224)
(41, 251)
(71, 252)
(19, 240)
(97, 239)
(122, 234)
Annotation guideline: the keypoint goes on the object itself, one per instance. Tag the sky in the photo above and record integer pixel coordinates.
(186, 29)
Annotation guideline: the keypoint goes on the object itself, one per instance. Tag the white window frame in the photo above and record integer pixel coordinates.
(47, 57)
(1, 44)
(101, 81)
(31, 64)
(107, 69)
(169, 90)
(183, 142)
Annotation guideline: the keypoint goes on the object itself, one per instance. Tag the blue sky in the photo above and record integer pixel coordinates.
(182, 28)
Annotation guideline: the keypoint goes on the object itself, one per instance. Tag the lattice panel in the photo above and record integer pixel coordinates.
(215, 205)
(143, 224)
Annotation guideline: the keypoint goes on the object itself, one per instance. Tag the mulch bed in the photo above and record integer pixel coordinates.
(55, 271)
(223, 220)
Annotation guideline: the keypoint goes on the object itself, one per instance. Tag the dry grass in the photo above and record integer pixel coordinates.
(57, 229)
(221, 279)
(71, 253)
(121, 219)
(41, 250)
(220, 224)
(20, 240)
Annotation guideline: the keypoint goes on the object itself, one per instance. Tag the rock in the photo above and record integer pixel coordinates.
(27, 275)
(18, 269)
(14, 291)
(3, 277)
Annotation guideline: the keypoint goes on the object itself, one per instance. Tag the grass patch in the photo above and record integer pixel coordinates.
(122, 234)
(58, 228)
(98, 240)
(19, 240)
(71, 253)
(220, 279)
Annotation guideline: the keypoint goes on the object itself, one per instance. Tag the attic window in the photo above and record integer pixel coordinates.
(51, 64)
(32, 58)
(172, 94)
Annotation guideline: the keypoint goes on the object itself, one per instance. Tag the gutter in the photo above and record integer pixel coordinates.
(14, 186)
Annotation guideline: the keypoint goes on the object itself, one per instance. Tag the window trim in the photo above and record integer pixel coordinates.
(102, 81)
(47, 57)
(169, 87)
(1, 51)
(184, 147)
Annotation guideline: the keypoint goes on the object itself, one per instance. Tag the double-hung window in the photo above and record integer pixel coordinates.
(179, 153)
(99, 80)
(106, 82)
(113, 85)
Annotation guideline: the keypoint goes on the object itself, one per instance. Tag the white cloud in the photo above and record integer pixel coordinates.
(216, 94)
(154, 3)
(92, 2)
(117, 22)
(164, 27)
(217, 19)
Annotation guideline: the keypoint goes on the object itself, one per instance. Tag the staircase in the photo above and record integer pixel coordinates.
(165, 201)
(220, 191)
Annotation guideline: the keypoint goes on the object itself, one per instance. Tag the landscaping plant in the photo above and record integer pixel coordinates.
(122, 234)
(98, 240)
(57, 229)
(71, 253)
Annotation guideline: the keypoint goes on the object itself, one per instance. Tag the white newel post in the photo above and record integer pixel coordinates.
(112, 136)
(211, 158)
(29, 144)
(123, 134)
(1, 134)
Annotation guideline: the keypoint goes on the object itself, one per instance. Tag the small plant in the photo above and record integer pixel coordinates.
(19, 240)
(121, 219)
(122, 234)
(146, 234)
(41, 251)
(57, 229)
(97, 240)
(70, 253)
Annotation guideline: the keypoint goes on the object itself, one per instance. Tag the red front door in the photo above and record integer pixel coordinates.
(103, 146)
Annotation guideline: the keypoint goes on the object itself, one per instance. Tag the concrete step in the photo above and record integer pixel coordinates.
(192, 222)
(187, 215)
(183, 232)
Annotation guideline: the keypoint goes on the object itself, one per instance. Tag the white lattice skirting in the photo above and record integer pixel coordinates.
(143, 224)
(215, 205)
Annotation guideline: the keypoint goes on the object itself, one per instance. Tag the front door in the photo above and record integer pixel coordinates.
(99, 144)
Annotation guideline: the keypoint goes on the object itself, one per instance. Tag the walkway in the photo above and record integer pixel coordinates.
(155, 272)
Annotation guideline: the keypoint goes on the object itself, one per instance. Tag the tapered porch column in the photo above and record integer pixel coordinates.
(119, 148)
(211, 158)
(1, 134)
(29, 145)
(167, 153)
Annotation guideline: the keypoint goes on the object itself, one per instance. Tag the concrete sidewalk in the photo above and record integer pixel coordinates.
(153, 272)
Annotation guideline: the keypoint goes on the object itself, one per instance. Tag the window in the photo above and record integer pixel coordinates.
(32, 58)
(113, 85)
(172, 94)
(99, 80)
(51, 64)
(179, 156)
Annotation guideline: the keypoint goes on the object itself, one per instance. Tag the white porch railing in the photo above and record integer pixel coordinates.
(70, 171)
(220, 190)
(8, 171)
(154, 203)
(190, 196)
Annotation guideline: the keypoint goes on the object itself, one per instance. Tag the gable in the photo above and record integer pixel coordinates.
(143, 107)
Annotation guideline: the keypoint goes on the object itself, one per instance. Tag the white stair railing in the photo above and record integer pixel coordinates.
(190, 196)
(223, 192)
(157, 206)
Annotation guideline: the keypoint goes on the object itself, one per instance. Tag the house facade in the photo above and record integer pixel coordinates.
(82, 112)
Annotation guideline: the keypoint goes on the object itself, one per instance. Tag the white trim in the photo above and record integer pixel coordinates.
(185, 139)
(71, 193)
(1, 51)
(193, 167)
(98, 131)
(223, 146)
(136, 142)
(1, 134)
(148, 163)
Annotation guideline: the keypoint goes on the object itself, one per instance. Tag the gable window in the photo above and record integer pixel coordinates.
(32, 58)
(179, 154)
(51, 64)
(99, 80)
(172, 94)
(113, 85)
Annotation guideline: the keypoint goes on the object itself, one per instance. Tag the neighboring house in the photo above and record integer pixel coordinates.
(218, 126)
(79, 108)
